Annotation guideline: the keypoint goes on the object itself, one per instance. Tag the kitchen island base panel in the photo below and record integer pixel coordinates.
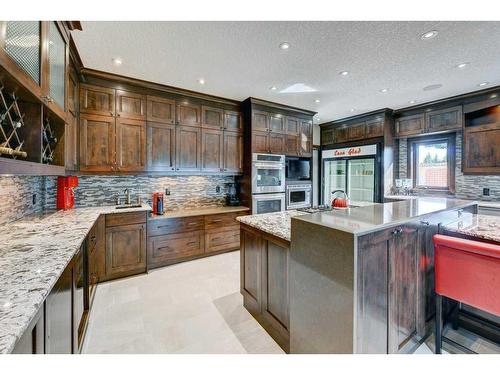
(321, 290)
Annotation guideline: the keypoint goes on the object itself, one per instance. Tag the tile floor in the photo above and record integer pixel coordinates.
(192, 307)
(196, 307)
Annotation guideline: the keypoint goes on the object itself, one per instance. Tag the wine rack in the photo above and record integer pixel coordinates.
(11, 121)
(49, 141)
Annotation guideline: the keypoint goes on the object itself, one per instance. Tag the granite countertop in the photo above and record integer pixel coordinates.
(481, 226)
(275, 223)
(199, 212)
(362, 220)
(34, 252)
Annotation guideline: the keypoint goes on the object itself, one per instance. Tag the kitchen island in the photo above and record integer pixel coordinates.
(345, 281)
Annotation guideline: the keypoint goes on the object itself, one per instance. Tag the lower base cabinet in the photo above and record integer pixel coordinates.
(174, 240)
(33, 340)
(264, 282)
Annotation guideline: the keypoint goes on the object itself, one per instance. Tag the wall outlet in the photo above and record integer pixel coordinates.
(486, 191)
(33, 199)
(217, 189)
(167, 191)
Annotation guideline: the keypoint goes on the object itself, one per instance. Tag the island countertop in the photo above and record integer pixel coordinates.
(275, 223)
(485, 227)
(362, 220)
(34, 252)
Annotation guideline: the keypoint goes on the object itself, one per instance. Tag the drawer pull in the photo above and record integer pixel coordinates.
(192, 243)
(194, 223)
(216, 221)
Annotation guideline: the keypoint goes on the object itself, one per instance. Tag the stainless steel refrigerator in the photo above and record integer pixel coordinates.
(354, 170)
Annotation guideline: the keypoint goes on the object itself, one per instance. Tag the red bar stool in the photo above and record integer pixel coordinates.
(465, 271)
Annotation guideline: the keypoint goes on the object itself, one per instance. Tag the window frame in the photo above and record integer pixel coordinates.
(413, 143)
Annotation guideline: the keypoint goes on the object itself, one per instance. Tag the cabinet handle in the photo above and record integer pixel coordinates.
(216, 221)
(193, 223)
(397, 231)
(192, 243)
(173, 168)
(111, 113)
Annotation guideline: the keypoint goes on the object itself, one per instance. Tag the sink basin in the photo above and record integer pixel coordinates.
(122, 206)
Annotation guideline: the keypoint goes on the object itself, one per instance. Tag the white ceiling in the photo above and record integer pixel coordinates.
(242, 59)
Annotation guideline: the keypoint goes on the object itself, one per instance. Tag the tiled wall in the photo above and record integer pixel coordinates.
(466, 186)
(185, 192)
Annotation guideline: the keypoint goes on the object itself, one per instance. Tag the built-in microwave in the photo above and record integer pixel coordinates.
(268, 173)
(298, 169)
(298, 196)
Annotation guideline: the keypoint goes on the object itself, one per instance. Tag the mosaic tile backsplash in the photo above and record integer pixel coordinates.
(466, 186)
(16, 192)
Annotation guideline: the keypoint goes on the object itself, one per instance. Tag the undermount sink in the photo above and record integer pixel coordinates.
(122, 206)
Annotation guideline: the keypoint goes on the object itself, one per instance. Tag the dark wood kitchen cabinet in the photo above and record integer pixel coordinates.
(125, 244)
(97, 143)
(264, 281)
(305, 139)
(374, 128)
(97, 100)
(160, 147)
(444, 119)
(232, 152)
(356, 131)
(277, 123)
(161, 110)
(341, 134)
(188, 114)
(260, 141)
(410, 125)
(71, 143)
(212, 117)
(232, 121)
(80, 299)
(58, 315)
(212, 150)
(260, 121)
(277, 143)
(481, 149)
(130, 105)
(188, 148)
(130, 145)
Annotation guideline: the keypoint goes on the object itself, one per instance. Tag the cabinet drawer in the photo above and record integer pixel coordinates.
(222, 220)
(175, 225)
(171, 247)
(219, 240)
(125, 218)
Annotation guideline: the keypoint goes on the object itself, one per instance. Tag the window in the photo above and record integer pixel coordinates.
(432, 162)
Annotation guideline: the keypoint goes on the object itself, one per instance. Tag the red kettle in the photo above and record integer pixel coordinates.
(340, 199)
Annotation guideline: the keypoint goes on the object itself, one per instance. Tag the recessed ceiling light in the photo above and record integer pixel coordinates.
(412, 102)
(352, 109)
(285, 45)
(482, 84)
(428, 35)
(344, 73)
(493, 96)
(117, 61)
(201, 81)
(383, 90)
(462, 65)
(317, 100)
(273, 88)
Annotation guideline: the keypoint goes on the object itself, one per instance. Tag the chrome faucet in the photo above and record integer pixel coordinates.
(127, 196)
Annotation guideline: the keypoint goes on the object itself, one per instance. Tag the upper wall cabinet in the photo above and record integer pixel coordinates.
(441, 120)
(35, 54)
(188, 114)
(97, 100)
(130, 105)
(212, 117)
(160, 110)
(232, 121)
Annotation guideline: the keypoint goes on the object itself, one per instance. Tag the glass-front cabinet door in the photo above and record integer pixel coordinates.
(334, 173)
(361, 180)
(57, 65)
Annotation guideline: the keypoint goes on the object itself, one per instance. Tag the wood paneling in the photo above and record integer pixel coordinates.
(97, 100)
(160, 147)
(212, 146)
(125, 250)
(97, 143)
(188, 148)
(130, 145)
(160, 110)
(188, 114)
(130, 105)
(250, 265)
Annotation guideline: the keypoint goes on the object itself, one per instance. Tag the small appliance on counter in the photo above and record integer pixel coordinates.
(232, 197)
(340, 199)
(65, 192)
(158, 206)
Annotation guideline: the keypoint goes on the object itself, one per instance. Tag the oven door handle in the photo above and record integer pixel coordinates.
(268, 166)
